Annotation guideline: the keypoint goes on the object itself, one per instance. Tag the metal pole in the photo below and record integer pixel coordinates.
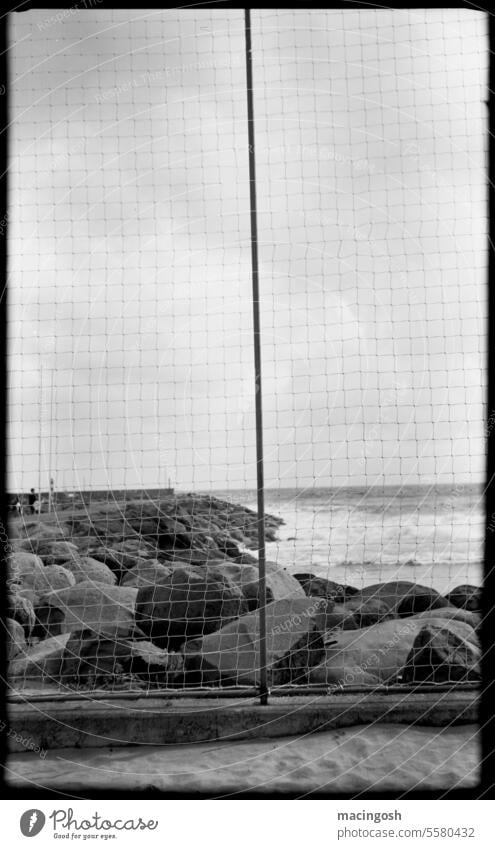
(50, 495)
(257, 365)
(40, 443)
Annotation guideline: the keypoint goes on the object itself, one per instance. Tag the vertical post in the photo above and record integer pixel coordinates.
(51, 481)
(257, 365)
(40, 453)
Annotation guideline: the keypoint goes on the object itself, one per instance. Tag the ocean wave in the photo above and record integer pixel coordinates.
(411, 562)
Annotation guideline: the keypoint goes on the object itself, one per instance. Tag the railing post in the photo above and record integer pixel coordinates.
(257, 366)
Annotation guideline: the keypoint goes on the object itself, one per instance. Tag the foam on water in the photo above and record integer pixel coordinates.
(429, 534)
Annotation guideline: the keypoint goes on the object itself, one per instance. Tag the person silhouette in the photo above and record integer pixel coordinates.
(33, 500)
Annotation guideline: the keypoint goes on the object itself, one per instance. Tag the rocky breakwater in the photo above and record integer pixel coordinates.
(399, 632)
(75, 577)
(391, 633)
(144, 595)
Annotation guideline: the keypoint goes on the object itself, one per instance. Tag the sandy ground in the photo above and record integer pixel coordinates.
(350, 760)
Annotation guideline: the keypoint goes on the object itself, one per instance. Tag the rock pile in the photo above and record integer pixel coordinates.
(145, 594)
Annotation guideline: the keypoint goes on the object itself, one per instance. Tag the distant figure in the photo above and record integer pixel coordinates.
(18, 505)
(33, 502)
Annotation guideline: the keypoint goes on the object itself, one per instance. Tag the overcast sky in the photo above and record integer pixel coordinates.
(130, 256)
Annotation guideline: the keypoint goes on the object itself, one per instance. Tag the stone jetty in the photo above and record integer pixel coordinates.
(145, 594)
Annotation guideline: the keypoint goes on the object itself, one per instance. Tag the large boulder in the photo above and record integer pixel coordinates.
(89, 569)
(127, 554)
(22, 544)
(104, 609)
(223, 542)
(252, 594)
(192, 556)
(244, 577)
(376, 654)
(186, 605)
(151, 664)
(146, 574)
(16, 641)
(24, 567)
(109, 557)
(36, 531)
(453, 613)
(172, 534)
(43, 579)
(402, 598)
(29, 594)
(441, 655)
(20, 609)
(338, 617)
(49, 620)
(227, 570)
(57, 578)
(24, 560)
(366, 611)
(92, 660)
(466, 596)
(246, 559)
(279, 582)
(43, 661)
(231, 655)
(322, 587)
(121, 556)
(55, 552)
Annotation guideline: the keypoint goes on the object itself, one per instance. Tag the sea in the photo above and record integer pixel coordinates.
(432, 535)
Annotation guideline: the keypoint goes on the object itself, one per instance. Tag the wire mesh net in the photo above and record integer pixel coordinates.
(133, 536)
